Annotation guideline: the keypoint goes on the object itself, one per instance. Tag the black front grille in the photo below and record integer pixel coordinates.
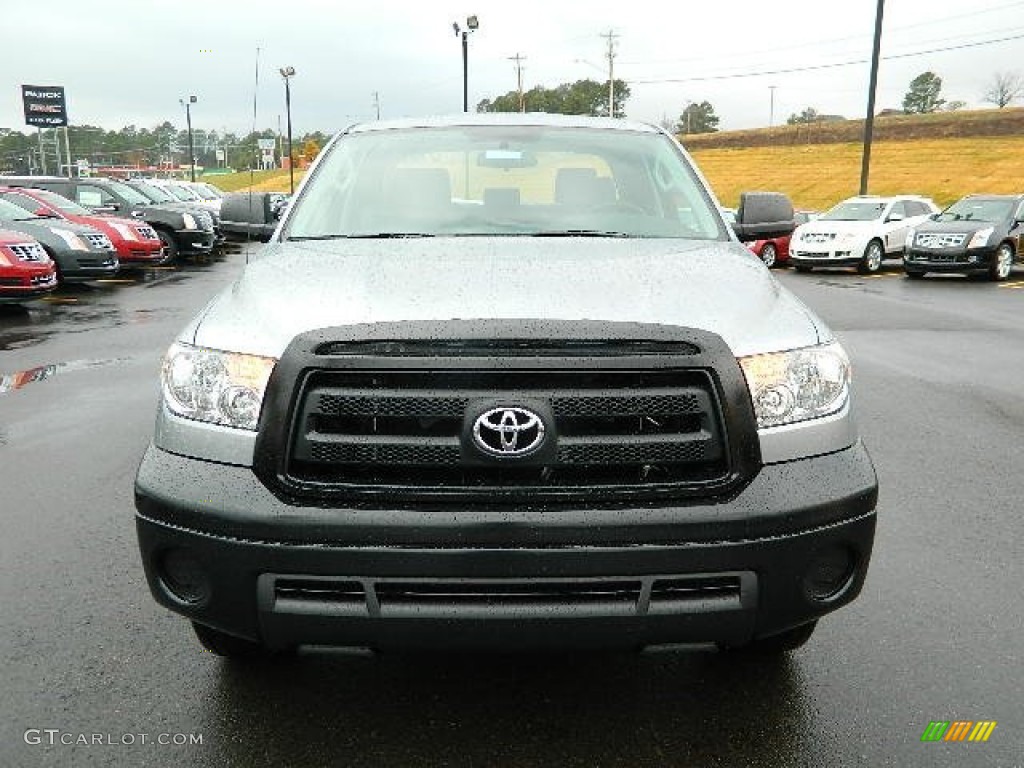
(410, 431)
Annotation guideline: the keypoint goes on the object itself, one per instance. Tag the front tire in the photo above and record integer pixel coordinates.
(871, 261)
(768, 255)
(1002, 263)
(170, 246)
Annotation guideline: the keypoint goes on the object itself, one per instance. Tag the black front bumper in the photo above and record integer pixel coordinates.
(194, 241)
(952, 259)
(698, 571)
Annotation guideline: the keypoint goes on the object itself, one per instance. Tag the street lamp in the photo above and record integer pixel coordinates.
(472, 24)
(188, 119)
(287, 73)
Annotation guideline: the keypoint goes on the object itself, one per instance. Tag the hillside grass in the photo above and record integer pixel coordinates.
(260, 181)
(819, 175)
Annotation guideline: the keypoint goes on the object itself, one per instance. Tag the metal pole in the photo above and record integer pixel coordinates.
(67, 148)
(465, 70)
(288, 112)
(869, 120)
(42, 154)
(191, 151)
(771, 106)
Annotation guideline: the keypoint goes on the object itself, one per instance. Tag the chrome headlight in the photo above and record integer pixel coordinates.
(213, 386)
(981, 237)
(73, 241)
(801, 384)
(190, 221)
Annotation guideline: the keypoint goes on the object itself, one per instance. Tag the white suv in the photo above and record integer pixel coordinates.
(858, 232)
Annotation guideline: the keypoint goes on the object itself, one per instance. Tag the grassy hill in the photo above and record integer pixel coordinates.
(944, 156)
(260, 181)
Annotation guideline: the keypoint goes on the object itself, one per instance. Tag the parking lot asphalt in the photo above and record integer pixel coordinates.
(935, 636)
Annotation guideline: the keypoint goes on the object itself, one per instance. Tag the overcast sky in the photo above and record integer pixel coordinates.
(130, 62)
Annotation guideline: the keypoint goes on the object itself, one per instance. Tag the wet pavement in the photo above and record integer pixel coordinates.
(95, 673)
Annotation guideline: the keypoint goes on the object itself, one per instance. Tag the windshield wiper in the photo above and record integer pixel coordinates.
(580, 233)
(361, 236)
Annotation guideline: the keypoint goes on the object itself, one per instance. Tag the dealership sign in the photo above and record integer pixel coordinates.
(44, 105)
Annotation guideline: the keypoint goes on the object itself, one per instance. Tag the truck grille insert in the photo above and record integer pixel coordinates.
(404, 432)
(485, 597)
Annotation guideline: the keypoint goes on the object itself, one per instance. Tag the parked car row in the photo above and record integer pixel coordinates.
(55, 229)
(977, 234)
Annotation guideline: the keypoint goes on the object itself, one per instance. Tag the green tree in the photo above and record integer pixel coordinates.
(808, 116)
(923, 96)
(584, 97)
(698, 118)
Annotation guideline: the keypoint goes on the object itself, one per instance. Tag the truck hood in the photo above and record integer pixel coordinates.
(956, 227)
(819, 227)
(297, 287)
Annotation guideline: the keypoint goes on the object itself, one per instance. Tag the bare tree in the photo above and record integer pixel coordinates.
(1005, 87)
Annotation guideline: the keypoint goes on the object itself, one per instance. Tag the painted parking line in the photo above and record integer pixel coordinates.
(1015, 284)
(60, 299)
(116, 281)
(881, 274)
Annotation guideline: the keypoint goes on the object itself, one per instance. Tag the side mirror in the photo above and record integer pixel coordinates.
(896, 217)
(763, 216)
(42, 212)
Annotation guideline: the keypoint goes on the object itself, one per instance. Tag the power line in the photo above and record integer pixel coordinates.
(816, 67)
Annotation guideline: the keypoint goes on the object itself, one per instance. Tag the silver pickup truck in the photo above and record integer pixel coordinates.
(506, 382)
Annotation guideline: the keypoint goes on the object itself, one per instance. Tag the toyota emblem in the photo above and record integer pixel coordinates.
(508, 431)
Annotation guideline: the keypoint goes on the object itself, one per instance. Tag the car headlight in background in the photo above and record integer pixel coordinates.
(981, 237)
(216, 387)
(124, 231)
(801, 384)
(73, 241)
(190, 221)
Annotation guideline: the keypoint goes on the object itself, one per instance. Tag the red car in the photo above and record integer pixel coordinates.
(136, 242)
(776, 251)
(26, 270)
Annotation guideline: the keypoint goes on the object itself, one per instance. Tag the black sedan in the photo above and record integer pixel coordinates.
(977, 234)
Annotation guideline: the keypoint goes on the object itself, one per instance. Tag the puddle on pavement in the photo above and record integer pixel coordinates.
(12, 381)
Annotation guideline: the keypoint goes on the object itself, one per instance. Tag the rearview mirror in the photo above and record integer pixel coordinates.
(506, 158)
(764, 215)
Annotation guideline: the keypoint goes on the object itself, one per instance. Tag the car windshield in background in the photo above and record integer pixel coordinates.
(11, 212)
(131, 195)
(502, 180)
(61, 203)
(974, 209)
(861, 211)
(183, 193)
(155, 194)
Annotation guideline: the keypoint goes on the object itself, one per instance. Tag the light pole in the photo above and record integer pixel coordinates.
(771, 106)
(188, 119)
(288, 73)
(472, 24)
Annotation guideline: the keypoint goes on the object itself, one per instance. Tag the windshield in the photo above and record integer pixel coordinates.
(209, 191)
(860, 210)
(11, 212)
(505, 180)
(155, 194)
(977, 209)
(133, 196)
(182, 193)
(61, 203)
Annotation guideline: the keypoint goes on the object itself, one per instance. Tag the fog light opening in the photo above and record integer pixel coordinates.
(183, 577)
(831, 573)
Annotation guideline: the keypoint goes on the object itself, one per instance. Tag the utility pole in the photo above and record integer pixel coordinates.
(376, 103)
(610, 36)
(519, 79)
(771, 106)
(869, 120)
